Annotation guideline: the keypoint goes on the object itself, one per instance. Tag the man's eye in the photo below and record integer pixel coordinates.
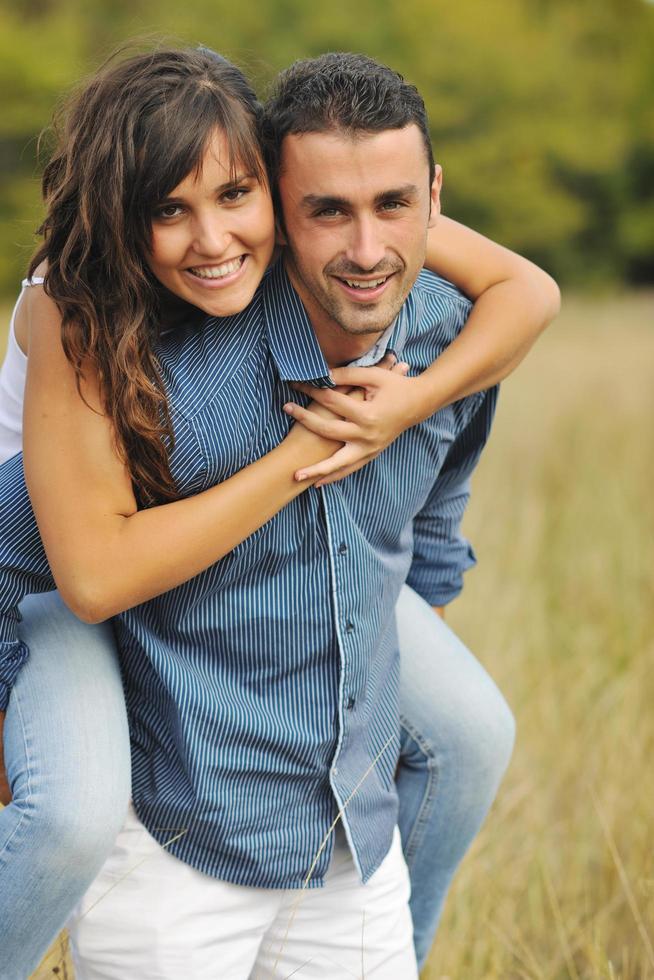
(392, 205)
(327, 213)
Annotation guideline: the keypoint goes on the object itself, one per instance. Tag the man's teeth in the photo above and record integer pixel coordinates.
(218, 271)
(369, 284)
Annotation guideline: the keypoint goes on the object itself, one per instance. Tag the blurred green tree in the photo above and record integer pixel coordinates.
(541, 110)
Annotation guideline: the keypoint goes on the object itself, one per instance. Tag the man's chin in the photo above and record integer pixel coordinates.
(374, 321)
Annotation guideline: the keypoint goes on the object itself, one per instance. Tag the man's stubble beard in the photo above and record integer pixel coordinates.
(333, 308)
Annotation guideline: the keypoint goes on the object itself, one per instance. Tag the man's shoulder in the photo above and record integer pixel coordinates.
(435, 309)
(439, 294)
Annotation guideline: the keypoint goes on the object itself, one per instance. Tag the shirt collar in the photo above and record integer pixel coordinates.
(293, 341)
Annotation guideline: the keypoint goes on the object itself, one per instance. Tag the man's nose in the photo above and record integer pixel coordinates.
(367, 248)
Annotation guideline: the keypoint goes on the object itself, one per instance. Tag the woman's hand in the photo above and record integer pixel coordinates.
(308, 443)
(367, 410)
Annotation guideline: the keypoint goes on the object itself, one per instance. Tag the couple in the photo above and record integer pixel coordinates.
(254, 600)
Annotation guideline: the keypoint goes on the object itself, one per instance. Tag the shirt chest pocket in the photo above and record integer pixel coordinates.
(242, 422)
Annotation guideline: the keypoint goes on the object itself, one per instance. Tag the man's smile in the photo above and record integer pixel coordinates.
(364, 290)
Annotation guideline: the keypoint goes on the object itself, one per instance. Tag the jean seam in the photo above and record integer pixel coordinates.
(421, 822)
(28, 767)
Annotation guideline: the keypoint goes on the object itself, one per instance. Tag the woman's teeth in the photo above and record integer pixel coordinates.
(218, 271)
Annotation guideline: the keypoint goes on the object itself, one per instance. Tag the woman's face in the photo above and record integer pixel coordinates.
(213, 235)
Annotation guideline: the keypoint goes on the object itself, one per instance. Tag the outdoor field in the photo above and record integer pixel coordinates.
(560, 882)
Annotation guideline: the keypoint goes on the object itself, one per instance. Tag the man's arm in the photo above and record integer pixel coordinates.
(440, 552)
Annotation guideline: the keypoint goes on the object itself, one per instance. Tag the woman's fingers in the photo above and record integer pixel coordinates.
(347, 406)
(344, 461)
(332, 427)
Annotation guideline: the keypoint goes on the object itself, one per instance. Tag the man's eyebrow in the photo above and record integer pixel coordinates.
(312, 201)
(406, 190)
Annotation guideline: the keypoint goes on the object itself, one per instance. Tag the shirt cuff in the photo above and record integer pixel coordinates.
(12, 658)
(438, 585)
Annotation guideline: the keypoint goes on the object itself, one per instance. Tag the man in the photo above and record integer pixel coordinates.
(245, 753)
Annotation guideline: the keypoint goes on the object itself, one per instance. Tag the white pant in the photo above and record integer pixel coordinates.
(149, 916)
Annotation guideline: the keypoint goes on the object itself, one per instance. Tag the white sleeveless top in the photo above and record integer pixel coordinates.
(12, 387)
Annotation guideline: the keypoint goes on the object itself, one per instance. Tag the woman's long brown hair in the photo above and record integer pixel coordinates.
(137, 129)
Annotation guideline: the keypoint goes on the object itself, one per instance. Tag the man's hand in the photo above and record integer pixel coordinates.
(366, 425)
(5, 791)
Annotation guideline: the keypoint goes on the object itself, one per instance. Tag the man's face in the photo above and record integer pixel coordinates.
(356, 212)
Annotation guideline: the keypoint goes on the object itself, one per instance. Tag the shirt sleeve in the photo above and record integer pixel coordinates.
(24, 569)
(441, 554)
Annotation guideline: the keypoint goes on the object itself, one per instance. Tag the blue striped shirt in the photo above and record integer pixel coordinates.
(262, 694)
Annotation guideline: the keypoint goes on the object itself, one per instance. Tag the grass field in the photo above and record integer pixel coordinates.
(560, 883)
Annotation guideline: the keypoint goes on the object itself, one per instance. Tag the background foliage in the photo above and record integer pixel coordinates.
(541, 110)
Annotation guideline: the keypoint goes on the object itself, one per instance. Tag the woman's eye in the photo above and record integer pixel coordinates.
(168, 211)
(235, 194)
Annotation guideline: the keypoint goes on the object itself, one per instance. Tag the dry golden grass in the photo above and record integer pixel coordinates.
(560, 883)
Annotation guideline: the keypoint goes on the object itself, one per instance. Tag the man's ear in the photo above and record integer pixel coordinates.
(435, 196)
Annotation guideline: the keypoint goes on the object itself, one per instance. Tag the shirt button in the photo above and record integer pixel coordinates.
(342, 548)
(350, 702)
(349, 627)
(334, 770)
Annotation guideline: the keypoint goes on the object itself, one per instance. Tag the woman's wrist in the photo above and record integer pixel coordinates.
(427, 395)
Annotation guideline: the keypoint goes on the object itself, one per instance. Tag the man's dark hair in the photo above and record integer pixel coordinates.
(339, 91)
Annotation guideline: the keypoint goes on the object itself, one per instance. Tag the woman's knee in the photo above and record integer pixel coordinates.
(66, 836)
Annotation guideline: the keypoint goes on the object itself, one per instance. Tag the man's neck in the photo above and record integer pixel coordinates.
(339, 347)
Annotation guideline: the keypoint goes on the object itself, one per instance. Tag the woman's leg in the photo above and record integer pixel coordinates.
(457, 738)
(66, 749)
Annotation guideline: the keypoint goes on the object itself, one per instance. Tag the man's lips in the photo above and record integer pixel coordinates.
(363, 290)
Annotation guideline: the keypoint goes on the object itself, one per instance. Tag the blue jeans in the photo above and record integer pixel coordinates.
(67, 756)
(67, 759)
(457, 737)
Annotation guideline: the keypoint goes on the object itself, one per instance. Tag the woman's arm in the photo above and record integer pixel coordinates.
(514, 301)
(106, 556)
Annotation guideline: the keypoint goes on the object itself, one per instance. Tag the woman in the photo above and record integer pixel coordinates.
(102, 254)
